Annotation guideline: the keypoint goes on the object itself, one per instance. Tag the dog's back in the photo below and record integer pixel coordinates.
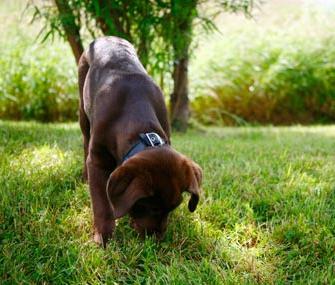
(109, 58)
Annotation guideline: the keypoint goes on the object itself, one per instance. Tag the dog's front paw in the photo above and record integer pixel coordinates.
(102, 238)
(104, 233)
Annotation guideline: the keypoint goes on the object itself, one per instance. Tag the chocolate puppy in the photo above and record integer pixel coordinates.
(129, 163)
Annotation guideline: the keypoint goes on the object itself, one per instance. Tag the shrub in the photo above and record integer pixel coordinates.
(38, 82)
(267, 75)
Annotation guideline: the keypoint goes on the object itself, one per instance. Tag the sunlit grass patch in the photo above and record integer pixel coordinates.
(42, 160)
(266, 214)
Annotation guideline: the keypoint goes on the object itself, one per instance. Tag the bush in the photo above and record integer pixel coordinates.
(267, 75)
(38, 82)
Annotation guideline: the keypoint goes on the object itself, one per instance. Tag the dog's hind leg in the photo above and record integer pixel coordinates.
(84, 123)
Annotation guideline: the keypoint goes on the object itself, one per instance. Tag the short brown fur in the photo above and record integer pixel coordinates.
(117, 103)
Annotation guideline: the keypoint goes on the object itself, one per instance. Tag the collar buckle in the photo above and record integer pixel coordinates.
(154, 139)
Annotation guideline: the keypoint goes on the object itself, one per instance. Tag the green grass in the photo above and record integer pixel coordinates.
(277, 68)
(267, 214)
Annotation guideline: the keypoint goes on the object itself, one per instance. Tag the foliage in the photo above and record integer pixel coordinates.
(37, 82)
(265, 83)
(134, 20)
(251, 74)
(279, 74)
(155, 28)
(260, 221)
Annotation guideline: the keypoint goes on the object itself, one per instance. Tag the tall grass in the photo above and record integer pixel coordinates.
(268, 71)
(37, 81)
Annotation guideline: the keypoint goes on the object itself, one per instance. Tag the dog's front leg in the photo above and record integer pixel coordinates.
(104, 222)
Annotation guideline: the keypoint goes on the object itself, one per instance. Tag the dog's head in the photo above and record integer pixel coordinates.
(149, 186)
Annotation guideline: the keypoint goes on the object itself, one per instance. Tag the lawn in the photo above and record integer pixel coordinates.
(267, 214)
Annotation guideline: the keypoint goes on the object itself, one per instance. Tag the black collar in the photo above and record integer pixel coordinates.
(146, 140)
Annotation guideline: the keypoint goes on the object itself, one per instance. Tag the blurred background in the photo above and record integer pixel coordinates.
(271, 63)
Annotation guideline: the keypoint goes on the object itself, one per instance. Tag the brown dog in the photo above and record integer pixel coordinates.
(130, 165)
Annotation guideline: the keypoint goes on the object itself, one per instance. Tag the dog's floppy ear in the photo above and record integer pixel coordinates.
(193, 174)
(124, 188)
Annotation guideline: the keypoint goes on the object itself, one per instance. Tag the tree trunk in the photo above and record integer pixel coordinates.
(76, 46)
(70, 27)
(183, 13)
(179, 107)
